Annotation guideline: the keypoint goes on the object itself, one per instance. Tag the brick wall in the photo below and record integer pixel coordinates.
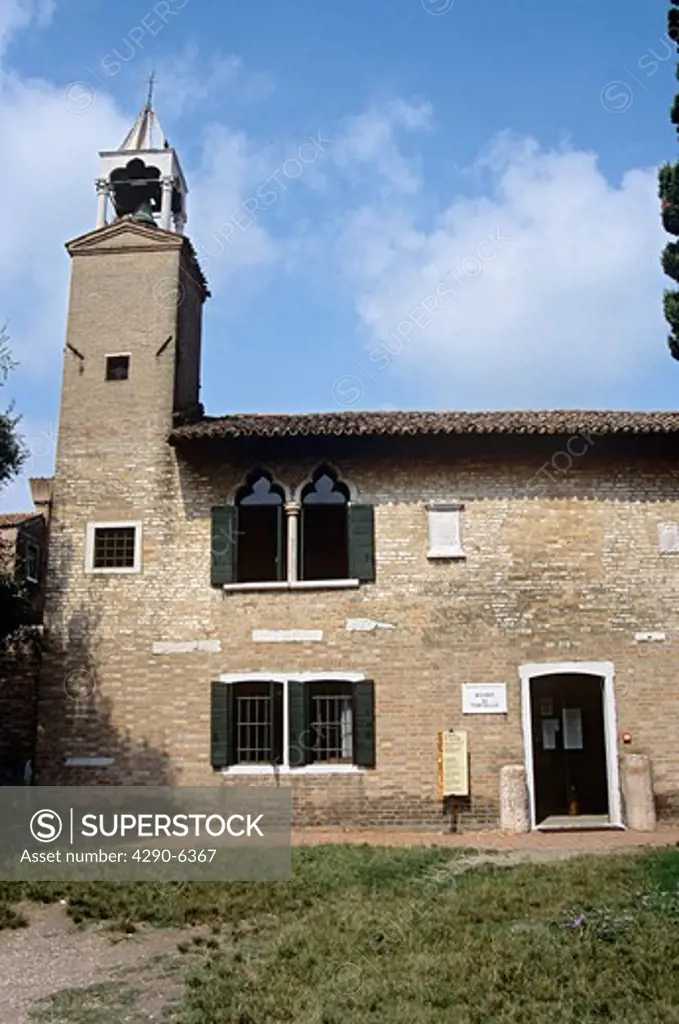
(571, 576)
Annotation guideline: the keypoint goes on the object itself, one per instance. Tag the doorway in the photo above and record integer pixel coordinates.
(570, 745)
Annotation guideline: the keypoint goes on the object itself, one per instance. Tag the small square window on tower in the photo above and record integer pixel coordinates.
(117, 367)
(113, 547)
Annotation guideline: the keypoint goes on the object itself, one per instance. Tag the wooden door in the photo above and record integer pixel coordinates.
(569, 752)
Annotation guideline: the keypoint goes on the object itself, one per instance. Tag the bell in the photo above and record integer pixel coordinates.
(144, 213)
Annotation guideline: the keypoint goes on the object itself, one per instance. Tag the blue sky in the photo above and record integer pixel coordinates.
(475, 226)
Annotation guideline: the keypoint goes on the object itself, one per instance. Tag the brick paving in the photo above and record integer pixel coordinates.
(537, 844)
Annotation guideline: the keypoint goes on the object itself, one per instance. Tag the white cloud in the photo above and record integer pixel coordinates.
(226, 236)
(187, 80)
(19, 14)
(244, 185)
(51, 136)
(49, 159)
(564, 303)
(369, 141)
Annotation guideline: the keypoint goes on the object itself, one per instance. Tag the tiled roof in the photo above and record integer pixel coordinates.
(401, 424)
(16, 518)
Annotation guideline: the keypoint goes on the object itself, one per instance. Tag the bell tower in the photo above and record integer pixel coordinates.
(143, 173)
(133, 339)
(131, 371)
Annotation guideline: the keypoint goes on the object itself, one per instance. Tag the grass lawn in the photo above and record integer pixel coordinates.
(365, 934)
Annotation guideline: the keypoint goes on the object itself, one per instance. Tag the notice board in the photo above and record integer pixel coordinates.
(453, 763)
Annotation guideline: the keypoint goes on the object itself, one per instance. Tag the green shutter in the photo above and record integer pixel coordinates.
(277, 717)
(364, 723)
(300, 740)
(361, 522)
(224, 535)
(222, 725)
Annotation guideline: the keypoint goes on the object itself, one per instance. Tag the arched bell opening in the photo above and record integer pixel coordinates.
(134, 184)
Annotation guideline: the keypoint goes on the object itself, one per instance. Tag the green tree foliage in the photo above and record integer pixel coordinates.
(669, 198)
(12, 454)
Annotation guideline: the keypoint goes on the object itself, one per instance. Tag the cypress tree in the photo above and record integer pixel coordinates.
(669, 196)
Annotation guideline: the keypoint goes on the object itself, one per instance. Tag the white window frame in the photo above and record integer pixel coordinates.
(233, 678)
(605, 671)
(453, 548)
(95, 525)
(29, 543)
(89, 762)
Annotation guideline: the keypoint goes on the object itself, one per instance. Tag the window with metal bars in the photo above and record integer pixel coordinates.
(258, 723)
(332, 721)
(114, 547)
(326, 721)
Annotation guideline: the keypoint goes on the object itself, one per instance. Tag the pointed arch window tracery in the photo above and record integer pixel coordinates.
(322, 538)
(260, 523)
(324, 533)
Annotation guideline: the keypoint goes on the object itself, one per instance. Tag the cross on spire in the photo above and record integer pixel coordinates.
(149, 98)
(146, 132)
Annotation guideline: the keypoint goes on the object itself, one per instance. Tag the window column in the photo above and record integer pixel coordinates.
(292, 522)
(166, 203)
(102, 201)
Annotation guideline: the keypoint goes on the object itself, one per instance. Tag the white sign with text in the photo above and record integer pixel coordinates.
(484, 699)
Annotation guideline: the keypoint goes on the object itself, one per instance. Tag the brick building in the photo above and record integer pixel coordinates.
(23, 546)
(379, 610)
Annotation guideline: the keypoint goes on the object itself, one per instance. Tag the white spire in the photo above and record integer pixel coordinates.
(146, 132)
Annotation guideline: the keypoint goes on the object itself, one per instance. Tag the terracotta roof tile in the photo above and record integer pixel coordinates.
(401, 424)
(17, 518)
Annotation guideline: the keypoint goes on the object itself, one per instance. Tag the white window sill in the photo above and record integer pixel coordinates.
(307, 769)
(301, 677)
(89, 762)
(124, 571)
(446, 553)
(292, 585)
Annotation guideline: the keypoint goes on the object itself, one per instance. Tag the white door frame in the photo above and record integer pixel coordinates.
(604, 670)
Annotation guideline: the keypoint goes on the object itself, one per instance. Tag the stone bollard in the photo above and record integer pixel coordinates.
(637, 788)
(514, 799)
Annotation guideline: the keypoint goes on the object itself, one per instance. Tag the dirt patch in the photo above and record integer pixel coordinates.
(533, 844)
(54, 959)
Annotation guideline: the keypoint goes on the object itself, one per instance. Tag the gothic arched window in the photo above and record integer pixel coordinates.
(260, 526)
(262, 538)
(324, 528)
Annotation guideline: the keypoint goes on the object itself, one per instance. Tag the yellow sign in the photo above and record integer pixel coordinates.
(453, 763)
